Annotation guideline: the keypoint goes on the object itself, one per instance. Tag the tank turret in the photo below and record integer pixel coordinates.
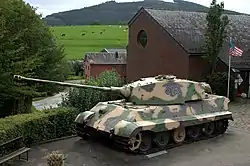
(159, 90)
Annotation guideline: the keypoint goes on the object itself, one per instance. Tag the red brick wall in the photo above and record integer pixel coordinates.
(198, 66)
(87, 69)
(96, 69)
(162, 55)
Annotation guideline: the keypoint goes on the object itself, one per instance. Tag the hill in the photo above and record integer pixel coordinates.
(112, 12)
(78, 40)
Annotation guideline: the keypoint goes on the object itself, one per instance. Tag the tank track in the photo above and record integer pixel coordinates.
(122, 143)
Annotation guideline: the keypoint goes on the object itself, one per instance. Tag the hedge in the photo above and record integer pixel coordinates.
(39, 126)
(85, 99)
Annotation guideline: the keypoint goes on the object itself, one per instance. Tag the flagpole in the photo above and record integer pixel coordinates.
(229, 69)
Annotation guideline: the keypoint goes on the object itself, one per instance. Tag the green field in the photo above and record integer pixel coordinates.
(76, 44)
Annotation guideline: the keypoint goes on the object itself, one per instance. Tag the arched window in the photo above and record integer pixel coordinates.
(142, 38)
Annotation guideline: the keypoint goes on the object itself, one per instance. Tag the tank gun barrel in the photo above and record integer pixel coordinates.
(110, 89)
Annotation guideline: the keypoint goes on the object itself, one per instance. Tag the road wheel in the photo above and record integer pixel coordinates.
(194, 133)
(142, 142)
(208, 129)
(221, 126)
(146, 143)
(135, 142)
(179, 135)
(161, 139)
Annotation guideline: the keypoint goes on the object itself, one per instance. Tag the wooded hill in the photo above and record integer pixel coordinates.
(112, 12)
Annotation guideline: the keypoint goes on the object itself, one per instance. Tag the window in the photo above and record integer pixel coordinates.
(142, 38)
(116, 55)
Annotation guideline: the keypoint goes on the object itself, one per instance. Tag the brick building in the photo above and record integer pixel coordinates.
(95, 63)
(169, 42)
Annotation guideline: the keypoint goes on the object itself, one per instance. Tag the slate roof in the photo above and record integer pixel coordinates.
(105, 58)
(188, 29)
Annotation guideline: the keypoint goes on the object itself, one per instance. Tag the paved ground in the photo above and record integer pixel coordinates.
(49, 102)
(231, 149)
(53, 101)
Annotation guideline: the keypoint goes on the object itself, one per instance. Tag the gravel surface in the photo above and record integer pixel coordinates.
(241, 114)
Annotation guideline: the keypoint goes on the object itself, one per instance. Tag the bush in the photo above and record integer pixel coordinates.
(78, 67)
(38, 126)
(218, 82)
(85, 99)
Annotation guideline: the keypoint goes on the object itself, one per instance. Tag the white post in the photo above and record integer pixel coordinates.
(229, 69)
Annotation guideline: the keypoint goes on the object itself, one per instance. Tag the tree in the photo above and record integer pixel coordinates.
(215, 33)
(27, 47)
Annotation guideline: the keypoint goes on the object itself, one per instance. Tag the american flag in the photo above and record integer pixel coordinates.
(233, 50)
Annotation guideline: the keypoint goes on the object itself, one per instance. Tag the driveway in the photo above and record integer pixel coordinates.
(53, 101)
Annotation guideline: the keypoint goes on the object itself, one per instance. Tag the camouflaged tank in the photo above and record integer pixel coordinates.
(156, 112)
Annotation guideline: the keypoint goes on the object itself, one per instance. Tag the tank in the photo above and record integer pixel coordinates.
(155, 113)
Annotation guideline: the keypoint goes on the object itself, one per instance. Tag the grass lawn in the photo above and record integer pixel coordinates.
(81, 39)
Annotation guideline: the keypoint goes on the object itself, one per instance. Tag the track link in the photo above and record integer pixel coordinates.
(122, 143)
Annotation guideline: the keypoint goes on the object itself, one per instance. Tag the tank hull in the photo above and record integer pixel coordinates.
(124, 122)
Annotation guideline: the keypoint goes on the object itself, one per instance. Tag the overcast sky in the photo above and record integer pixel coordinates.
(46, 7)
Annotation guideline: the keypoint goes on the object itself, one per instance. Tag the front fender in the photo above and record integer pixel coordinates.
(126, 129)
(84, 117)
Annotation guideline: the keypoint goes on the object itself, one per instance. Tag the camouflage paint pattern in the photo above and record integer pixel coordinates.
(127, 119)
(166, 90)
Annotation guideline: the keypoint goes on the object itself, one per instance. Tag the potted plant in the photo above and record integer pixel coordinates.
(55, 158)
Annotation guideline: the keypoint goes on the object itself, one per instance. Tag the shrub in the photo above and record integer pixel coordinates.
(78, 67)
(55, 158)
(218, 82)
(38, 126)
(84, 99)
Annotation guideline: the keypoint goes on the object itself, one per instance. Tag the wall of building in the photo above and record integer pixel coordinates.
(199, 66)
(162, 55)
(86, 69)
(96, 69)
